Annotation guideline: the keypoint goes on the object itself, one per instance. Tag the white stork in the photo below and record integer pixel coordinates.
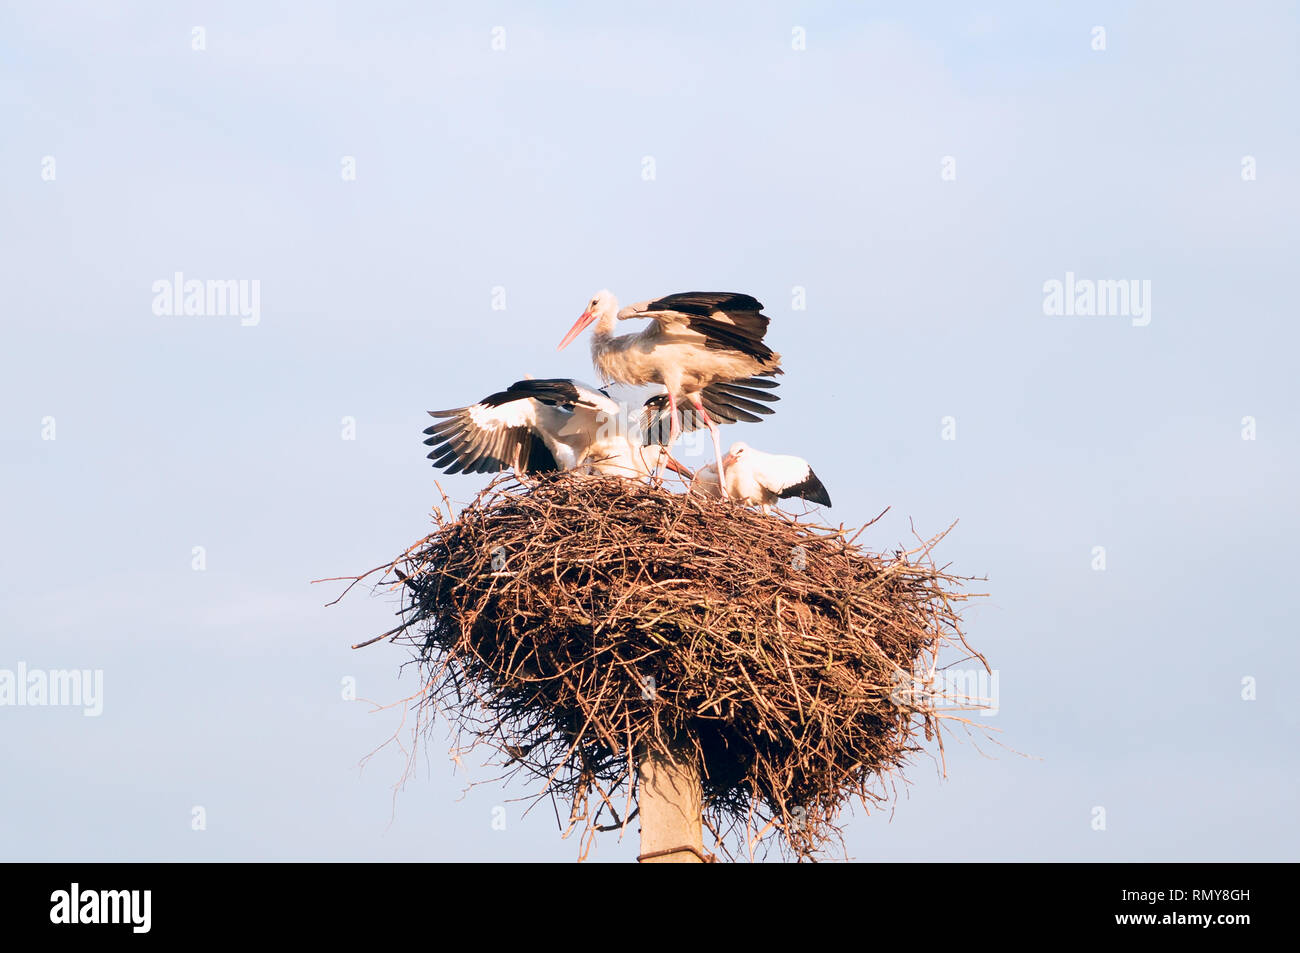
(538, 426)
(760, 479)
(705, 347)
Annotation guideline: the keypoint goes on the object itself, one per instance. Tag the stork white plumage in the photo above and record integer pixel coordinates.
(705, 347)
(539, 426)
(760, 479)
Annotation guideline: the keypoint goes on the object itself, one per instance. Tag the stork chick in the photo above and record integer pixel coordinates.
(760, 479)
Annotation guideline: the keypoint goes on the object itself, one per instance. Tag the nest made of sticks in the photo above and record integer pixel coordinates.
(575, 622)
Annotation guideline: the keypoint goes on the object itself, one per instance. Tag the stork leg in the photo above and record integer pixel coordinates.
(674, 430)
(717, 442)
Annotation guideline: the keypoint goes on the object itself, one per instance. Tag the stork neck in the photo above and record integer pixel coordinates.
(601, 333)
(604, 327)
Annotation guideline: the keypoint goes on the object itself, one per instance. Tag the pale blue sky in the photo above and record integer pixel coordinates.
(521, 168)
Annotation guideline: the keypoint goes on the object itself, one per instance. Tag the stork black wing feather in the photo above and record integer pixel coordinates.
(540, 458)
(554, 390)
(704, 303)
(721, 336)
(731, 390)
(735, 402)
(810, 489)
(728, 412)
(761, 381)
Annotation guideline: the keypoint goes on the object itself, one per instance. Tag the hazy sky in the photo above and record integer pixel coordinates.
(919, 174)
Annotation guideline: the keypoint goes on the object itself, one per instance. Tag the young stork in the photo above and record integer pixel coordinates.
(539, 426)
(705, 347)
(760, 479)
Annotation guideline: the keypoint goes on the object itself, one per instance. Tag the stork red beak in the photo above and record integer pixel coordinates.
(574, 331)
(677, 467)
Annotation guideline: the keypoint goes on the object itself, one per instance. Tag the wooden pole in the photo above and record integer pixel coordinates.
(671, 803)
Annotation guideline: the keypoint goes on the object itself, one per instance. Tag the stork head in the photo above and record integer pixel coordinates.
(602, 304)
(735, 452)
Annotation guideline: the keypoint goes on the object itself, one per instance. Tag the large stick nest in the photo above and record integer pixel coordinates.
(575, 622)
